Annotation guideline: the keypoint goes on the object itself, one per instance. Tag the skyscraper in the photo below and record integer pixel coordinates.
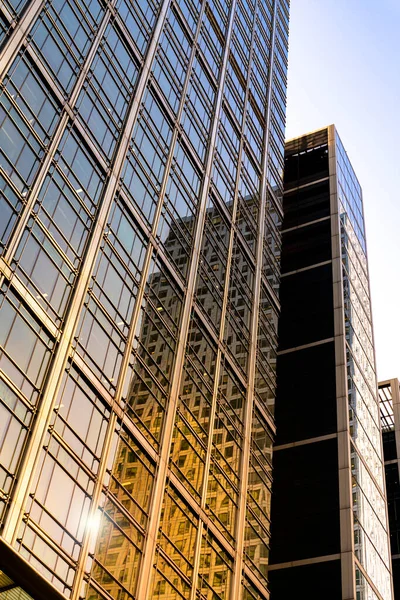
(140, 212)
(329, 516)
(389, 396)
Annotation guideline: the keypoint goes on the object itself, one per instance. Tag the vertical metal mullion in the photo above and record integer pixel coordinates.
(149, 252)
(141, 290)
(237, 182)
(151, 540)
(244, 469)
(222, 325)
(177, 124)
(18, 36)
(8, 17)
(343, 426)
(221, 335)
(62, 352)
(98, 488)
(40, 177)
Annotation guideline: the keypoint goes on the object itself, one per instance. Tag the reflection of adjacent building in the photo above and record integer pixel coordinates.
(329, 515)
(115, 561)
(140, 202)
(389, 396)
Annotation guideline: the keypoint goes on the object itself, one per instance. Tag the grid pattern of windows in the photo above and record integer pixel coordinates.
(139, 267)
(370, 528)
(325, 335)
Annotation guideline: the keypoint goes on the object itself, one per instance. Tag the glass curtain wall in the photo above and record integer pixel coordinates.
(140, 212)
(369, 495)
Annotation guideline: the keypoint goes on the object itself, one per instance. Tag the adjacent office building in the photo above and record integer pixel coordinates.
(389, 396)
(329, 516)
(140, 212)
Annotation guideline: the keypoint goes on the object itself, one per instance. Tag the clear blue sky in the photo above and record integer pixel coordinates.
(344, 68)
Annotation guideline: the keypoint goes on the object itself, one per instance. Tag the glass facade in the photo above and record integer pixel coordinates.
(140, 213)
(329, 498)
(369, 502)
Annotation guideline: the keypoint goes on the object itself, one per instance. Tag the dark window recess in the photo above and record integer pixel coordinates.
(305, 205)
(314, 582)
(25, 576)
(305, 405)
(307, 307)
(393, 500)
(305, 166)
(306, 246)
(392, 479)
(305, 502)
(389, 445)
(396, 576)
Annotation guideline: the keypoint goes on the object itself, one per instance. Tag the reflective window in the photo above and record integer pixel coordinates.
(16, 6)
(16, 416)
(177, 541)
(49, 255)
(139, 19)
(192, 424)
(212, 265)
(62, 35)
(190, 10)
(198, 108)
(215, 569)
(68, 464)
(25, 346)
(178, 216)
(28, 116)
(149, 376)
(240, 302)
(144, 166)
(119, 526)
(107, 91)
(171, 64)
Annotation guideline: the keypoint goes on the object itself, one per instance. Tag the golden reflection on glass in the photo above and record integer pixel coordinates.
(258, 499)
(119, 528)
(223, 480)
(123, 511)
(154, 352)
(124, 506)
(192, 422)
(215, 570)
(249, 592)
(174, 562)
